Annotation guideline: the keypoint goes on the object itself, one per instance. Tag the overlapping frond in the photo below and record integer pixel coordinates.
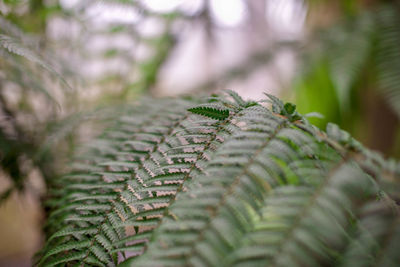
(222, 182)
(224, 200)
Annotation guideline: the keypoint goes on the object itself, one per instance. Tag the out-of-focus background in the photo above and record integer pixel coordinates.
(66, 65)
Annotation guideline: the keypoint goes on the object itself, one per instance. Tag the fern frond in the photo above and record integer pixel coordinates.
(137, 196)
(14, 46)
(293, 213)
(245, 187)
(209, 110)
(377, 237)
(208, 196)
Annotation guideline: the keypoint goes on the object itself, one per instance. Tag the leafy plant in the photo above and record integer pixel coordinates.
(223, 182)
(353, 73)
(27, 78)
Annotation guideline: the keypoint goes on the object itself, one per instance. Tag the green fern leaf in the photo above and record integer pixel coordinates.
(65, 247)
(12, 45)
(211, 111)
(65, 259)
(245, 187)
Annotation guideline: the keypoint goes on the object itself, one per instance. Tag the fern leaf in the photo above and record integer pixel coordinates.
(377, 238)
(72, 231)
(13, 46)
(65, 259)
(65, 247)
(212, 111)
(251, 191)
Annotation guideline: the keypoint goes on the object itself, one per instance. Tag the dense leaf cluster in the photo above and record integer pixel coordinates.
(223, 182)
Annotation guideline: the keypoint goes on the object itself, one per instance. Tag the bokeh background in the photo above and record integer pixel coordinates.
(66, 66)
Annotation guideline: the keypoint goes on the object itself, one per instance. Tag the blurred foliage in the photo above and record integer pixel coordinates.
(42, 113)
(27, 103)
(351, 73)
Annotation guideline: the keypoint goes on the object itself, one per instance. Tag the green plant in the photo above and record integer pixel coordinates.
(223, 182)
(351, 73)
(27, 78)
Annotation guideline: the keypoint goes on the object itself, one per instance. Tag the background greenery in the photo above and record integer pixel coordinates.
(347, 69)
